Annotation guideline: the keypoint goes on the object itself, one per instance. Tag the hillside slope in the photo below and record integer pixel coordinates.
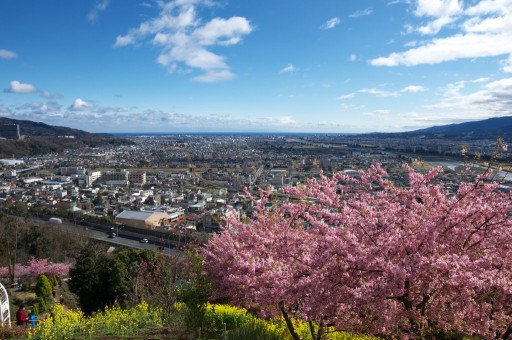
(40, 138)
(491, 128)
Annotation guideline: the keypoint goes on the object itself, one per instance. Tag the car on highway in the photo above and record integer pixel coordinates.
(144, 240)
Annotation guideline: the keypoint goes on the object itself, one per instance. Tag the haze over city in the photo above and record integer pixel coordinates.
(255, 66)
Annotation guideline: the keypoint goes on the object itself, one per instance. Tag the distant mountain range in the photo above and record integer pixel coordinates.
(491, 128)
(40, 138)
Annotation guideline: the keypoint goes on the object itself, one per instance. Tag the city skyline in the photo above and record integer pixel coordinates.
(255, 66)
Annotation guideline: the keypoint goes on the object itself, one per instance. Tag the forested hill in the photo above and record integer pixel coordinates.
(491, 128)
(39, 138)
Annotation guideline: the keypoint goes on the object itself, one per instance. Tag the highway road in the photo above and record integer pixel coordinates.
(133, 241)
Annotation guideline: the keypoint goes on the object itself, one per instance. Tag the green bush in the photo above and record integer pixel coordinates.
(43, 287)
(40, 306)
(35, 309)
(194, 293)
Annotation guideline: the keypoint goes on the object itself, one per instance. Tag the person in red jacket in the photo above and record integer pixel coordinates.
(21, 317)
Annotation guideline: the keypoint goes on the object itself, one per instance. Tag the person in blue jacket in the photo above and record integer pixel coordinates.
(32, 319)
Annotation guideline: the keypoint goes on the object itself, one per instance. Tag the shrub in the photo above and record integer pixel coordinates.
(43, 287)
(14, 332)
(40, 306)
(195, 292)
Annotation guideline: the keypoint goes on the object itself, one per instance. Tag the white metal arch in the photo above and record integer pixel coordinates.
(5, 313)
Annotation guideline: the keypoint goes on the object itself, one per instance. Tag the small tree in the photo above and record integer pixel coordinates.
(10, 234)
(155, 281)
(40, 306)
(149, 201)
(43, 287)
(195, 292)
(98, 280)
(101, 280)
(98, 199)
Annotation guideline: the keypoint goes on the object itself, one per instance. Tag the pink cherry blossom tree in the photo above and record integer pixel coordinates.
(364, 255)
(36, 267)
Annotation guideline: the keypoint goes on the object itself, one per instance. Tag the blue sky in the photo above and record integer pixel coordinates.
(333, 66)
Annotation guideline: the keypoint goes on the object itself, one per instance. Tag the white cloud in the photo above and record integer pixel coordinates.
(444, 12)
(49, 95)
(346, 96)
(331, 23)
(351, 107)
(223, 32)
(361, 13)
(279, 120)
(40, 108)
(485, 7)
(396, 2)
(86, 115)
(124, 40)
(492, 99)
(379, 93)
(6, 54)
(352, 57)
(435, 26)
(185, 40)
(507, 65)
(479, 80)
(80, 104)
(495, 25)
(395, 94)
(18, 87)
(214, 76)
(438, 8)
(412, 89)
(408, 29)
(456, 47)
(100, 7)
(287, 69)
(381, 114)
(482, 29)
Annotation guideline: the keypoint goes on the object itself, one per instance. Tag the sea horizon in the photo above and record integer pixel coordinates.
(238, 134)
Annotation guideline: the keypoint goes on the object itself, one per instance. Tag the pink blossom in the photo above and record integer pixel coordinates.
(36, 267)
(4, 272)
(368, 256)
